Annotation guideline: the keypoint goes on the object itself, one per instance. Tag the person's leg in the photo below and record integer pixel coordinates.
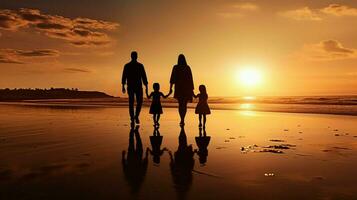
(182, 110)
(139, 102)
(157, 119)
(200, 120)
(131, 104)
(204, 120)
(139, 144)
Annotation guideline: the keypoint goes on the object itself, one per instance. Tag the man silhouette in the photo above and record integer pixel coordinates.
(134, 76)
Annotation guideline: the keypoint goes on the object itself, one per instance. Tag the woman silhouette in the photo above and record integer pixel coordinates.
(181, 76)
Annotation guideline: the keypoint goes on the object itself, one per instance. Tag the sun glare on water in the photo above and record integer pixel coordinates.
(249, 77)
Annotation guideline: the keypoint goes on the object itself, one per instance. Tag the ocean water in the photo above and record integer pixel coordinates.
(338, 105)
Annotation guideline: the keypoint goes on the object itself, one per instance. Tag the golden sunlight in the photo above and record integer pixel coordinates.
(249, 77)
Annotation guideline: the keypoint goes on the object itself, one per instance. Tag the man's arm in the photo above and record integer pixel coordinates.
(143, 76)
(124, 79)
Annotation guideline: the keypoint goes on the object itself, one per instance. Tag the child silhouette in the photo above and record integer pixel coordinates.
(202, 108)
(156, 108)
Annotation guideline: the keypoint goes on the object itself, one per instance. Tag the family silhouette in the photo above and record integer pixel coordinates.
(134, 77)
(135, 163)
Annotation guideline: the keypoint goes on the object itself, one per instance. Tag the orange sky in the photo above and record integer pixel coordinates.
(301, 48)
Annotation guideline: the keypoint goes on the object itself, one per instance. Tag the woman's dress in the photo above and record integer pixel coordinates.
(202, 105)
(156, 107)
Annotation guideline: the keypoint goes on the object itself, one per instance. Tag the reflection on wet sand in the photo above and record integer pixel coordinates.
(181, 165)
(134, 165)
(65, 154)
(156, 140)
(202, 142)
(181, 162)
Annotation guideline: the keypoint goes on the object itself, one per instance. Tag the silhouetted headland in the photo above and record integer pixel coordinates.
(52, 93)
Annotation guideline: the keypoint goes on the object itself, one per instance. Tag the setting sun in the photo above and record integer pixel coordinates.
(249, 77)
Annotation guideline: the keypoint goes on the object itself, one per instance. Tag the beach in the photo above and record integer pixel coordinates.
(76, 152)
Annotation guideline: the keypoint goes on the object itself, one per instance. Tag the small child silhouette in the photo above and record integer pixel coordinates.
(202, 108)
(156, 108)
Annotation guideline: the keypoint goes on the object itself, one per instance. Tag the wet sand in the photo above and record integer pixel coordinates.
(77, 153)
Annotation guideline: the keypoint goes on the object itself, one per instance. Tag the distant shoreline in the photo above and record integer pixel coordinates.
(51, 93)
(333, 106)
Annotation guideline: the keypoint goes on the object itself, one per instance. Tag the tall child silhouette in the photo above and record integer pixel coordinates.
(202, 108)
(156, 108)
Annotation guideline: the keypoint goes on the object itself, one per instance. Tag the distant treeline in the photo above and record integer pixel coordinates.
(52, 93)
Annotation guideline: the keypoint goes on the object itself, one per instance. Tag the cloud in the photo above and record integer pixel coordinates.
(78, 31)
(10, 20)
(247, 6)
(302, 14)
(333, 46)
(9, 60)
(79, 70)
(15, 56)
(37, 53)
(339, 10)
(326, 50)
(238, 10)
(318, 14)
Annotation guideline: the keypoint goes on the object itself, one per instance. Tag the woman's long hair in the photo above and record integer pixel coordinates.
(181, 60)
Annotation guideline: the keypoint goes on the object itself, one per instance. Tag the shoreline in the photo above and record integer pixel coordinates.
(347, 110)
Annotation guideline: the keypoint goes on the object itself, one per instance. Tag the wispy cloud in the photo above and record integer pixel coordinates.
(326, 50)
(238, 10)
(301, 14)
(77, 70)
(339, 10)
(15, 56)
(248, 6)
(308, 14)
(78, 31)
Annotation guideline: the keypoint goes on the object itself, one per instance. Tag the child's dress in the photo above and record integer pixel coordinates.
(202, 105)
(156, 107)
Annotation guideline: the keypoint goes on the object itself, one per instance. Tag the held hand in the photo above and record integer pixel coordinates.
(123, 89)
